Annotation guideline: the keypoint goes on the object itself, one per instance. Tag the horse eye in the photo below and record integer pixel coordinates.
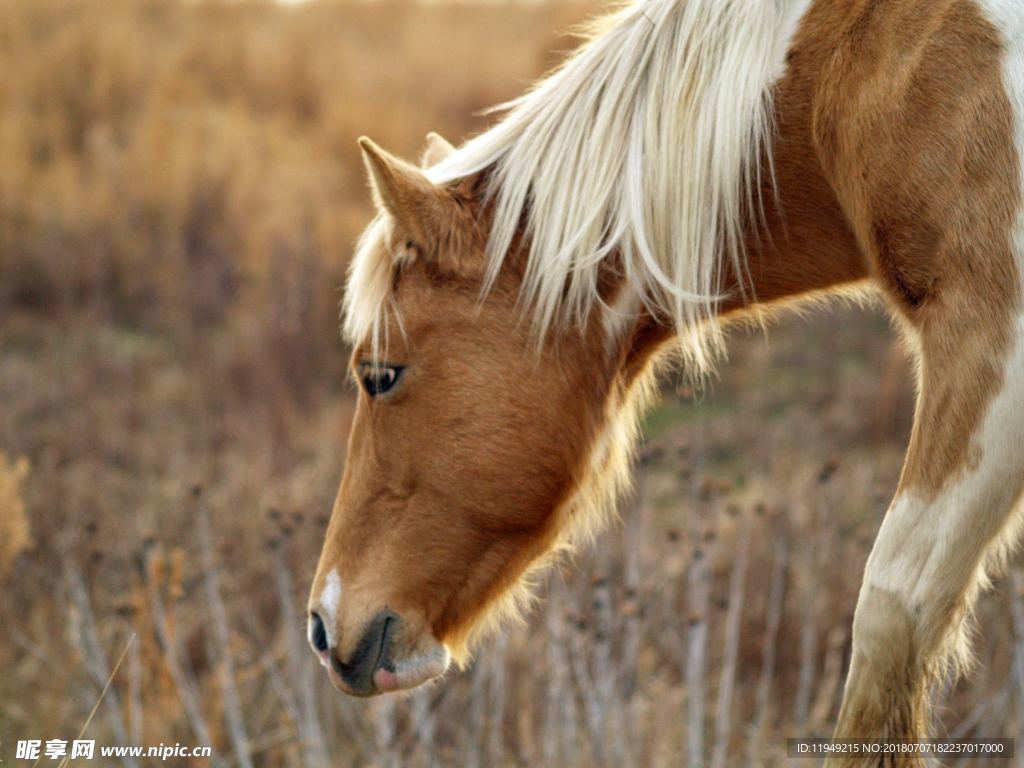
(378, 379)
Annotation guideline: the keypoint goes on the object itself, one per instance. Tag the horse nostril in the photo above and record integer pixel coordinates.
(317, 632)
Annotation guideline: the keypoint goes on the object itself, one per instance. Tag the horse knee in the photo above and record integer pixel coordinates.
(884, 630)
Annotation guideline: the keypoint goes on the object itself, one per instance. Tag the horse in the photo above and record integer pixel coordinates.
(692, 165)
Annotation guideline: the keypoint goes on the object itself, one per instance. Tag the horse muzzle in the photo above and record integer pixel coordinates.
(382, 661)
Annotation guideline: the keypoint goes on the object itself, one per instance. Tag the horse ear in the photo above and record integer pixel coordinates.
(438, 149)
(404, 192)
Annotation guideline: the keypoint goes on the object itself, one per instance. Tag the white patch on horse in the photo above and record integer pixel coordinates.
(923, 543)
(330, 601)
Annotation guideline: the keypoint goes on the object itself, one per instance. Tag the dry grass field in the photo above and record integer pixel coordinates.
(179, 192)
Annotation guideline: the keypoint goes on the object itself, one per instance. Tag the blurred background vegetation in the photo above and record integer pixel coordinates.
(179, 193)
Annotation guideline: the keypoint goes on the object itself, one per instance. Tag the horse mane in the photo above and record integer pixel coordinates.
(645, 146)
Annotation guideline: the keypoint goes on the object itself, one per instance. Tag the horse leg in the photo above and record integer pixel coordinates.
(950, 519)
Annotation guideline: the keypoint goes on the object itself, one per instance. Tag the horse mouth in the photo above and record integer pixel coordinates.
(413, 671)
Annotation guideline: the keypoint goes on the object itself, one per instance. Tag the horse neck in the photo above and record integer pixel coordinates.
(801, 246)
(804, 244)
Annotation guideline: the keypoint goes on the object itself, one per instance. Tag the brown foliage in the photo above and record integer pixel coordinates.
(14, 531)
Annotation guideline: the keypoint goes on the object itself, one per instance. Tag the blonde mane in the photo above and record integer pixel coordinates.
(645, 145)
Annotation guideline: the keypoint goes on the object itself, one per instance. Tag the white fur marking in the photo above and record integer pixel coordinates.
(921, 543)
(330, 601)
